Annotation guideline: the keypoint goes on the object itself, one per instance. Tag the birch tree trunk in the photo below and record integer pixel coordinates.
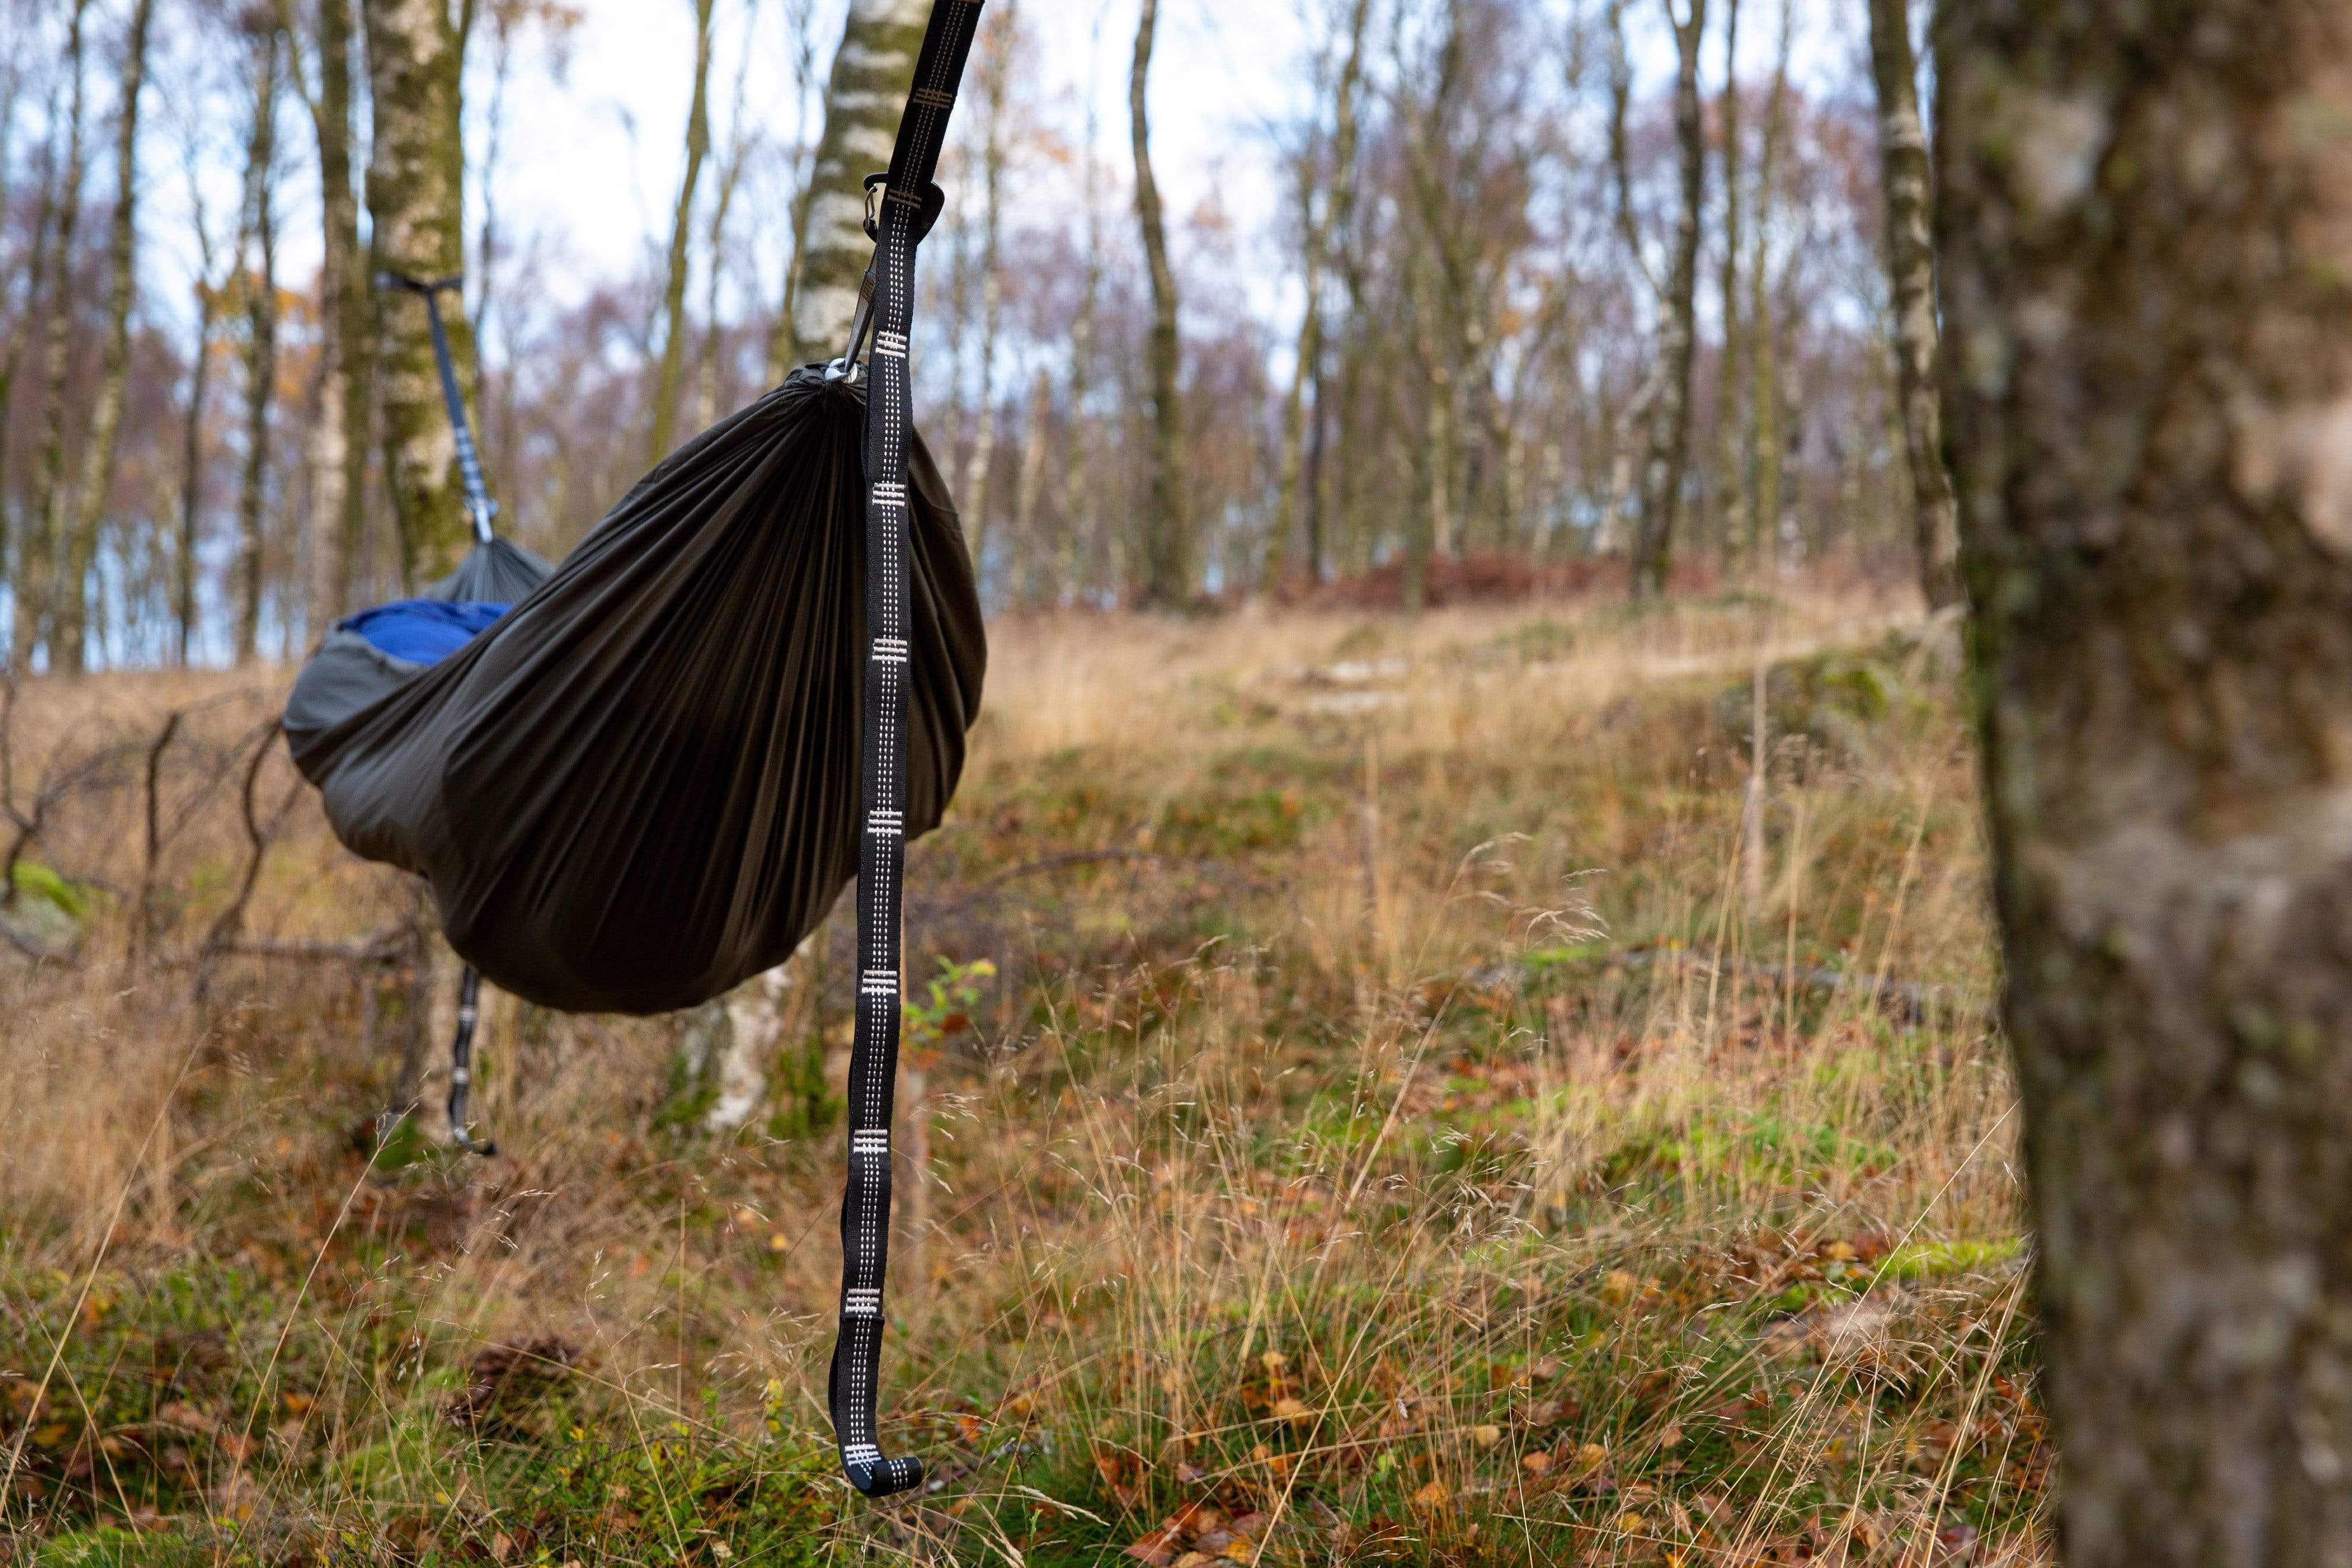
(114, 372)
(681, 229)
(1669, 433)
(261, 340)
(1166, 543)
(871, 75)
(1911, 289)
(2146, 234)
(44, 521)
(416, 197)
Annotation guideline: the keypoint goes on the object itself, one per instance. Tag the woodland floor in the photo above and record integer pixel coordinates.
(1400, 1126)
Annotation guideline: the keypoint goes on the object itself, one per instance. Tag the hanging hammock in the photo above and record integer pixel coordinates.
(648, 780)
(366, 657)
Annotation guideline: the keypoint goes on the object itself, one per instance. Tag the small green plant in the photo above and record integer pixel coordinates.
(946, 1009)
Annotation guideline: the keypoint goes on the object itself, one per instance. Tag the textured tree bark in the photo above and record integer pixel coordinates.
(37, 565)
(1167, 533)
(862, 99)
(339, 441)
(114, 371)
(260, 339)
(681, 229)
(1911, 289)
(1669, 434)
(2145, 216)
(415, 196)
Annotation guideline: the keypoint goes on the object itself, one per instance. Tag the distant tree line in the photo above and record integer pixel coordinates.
(1526, 290)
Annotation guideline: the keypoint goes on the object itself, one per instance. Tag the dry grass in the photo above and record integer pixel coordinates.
(1401, 1137)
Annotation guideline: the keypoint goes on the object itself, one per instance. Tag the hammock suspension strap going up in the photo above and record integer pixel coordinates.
(909, 202)
(481, 510)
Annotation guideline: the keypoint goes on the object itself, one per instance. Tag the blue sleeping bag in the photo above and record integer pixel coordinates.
(423, 630)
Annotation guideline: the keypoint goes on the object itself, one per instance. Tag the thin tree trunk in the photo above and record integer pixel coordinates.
(1764, 451)
(1727, 452)
(338, 455)
(45, 521)
(1669, 434)
(1333, 217)
(192, 454)
(1029, 483)
(994, 77)
(415, 196)
(871, 73)
(681, 230)
(21, 546)
(730, 175)
(800, 18)
(191, 473)
(1911, 286)
(261, 343)
(2141, 235)
(106, 417)
(1166, 542)
(1078, 470)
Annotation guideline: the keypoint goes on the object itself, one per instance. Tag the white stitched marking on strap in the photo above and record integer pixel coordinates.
(889, 493)
(879, 983)
(890, 650)
(863, 1304)
(861, 1453)
(869, 1143)
(888, 824)
(894, 344)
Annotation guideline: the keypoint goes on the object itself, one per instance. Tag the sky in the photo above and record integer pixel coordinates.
(594, 155)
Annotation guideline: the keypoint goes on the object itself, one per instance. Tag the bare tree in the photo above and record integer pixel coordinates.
(741, 139)
(192, 456)
(1166, 534)
(800, 29)
(681, 229)
(416, 197)
(1728, 479)
(2141, 247)
(1318, 221)
(259, 237)
(37, 563)
(1000, 37)
(1764, 465)
(338, 449)
(106, 418)
(1911, 288)
(1669, 413)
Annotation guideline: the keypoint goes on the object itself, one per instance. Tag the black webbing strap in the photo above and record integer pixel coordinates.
(481, 508)
(479, 505)
(874, 1058)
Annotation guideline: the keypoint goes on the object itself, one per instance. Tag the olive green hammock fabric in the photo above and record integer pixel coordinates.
(641, 786)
